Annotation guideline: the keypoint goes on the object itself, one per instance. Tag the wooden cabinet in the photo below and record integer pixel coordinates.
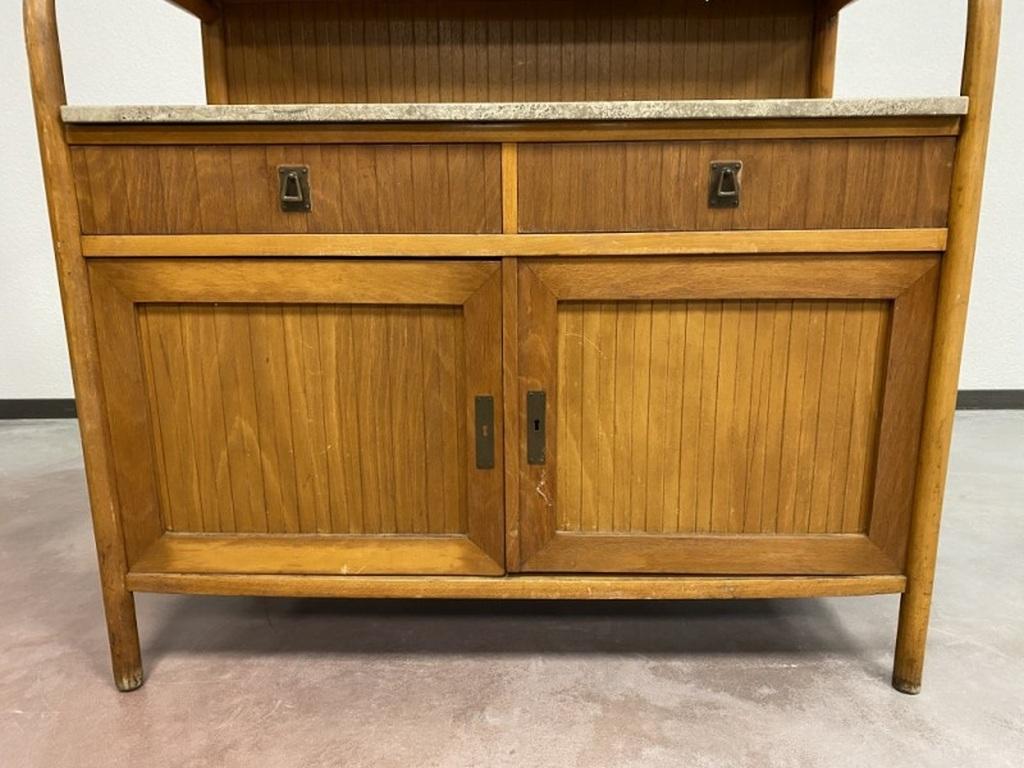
(513, 343)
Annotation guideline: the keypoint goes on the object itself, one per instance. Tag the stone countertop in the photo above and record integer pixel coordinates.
(521, 111)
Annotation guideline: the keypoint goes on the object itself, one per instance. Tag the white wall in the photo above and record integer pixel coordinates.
(115, 51)
(908, 48)
(913, 48)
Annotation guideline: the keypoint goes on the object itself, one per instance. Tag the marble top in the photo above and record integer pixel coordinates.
(723, 109)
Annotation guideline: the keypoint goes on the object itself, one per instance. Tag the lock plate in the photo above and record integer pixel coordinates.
(293, 188)
(484, 411)
(724, 187)
(536, 407)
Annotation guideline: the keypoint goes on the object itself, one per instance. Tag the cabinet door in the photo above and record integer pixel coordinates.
(304, 416)
(730, 415)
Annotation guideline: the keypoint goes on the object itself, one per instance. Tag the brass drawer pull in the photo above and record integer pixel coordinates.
(725, 185)
(294, 188)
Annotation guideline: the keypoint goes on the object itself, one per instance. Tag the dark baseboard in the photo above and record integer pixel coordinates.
(37, 409)
(990, 400)
(967, 400)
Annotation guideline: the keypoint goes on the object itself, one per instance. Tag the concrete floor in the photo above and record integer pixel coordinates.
(267, 683)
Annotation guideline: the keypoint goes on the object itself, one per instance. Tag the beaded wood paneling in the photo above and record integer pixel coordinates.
(307, 419)
(719, 417)
(380, 188)
(787, 184)
(516, 50)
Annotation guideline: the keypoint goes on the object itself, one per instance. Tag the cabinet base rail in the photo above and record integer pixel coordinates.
(514, 587)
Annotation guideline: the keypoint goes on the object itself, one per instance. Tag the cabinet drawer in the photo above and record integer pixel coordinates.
(786, 184)
(358, 188)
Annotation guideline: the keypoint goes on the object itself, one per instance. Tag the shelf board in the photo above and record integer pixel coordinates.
(209, 10)
(496, 246)
(546, 587)
(505, 112)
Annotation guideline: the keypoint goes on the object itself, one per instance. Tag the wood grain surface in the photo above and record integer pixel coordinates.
(723, 415)
(718, 417)
(305, 399)
(354, 188)
(521, 587)
(786, 184)
(516, 50)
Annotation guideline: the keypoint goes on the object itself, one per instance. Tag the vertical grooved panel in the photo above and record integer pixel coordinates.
(722, 417)
(306, 395)
(515, 50)
(309, 419)
(210, 443)
(167, 354)
(570, 410)
(273, 406)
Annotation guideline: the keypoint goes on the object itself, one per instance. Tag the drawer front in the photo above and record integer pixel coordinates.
(363, 188)
(785, 184)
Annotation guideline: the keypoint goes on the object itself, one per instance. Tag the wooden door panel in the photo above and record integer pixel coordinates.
(321, 408)
(718, 416)
(711, 415)
(334, 415)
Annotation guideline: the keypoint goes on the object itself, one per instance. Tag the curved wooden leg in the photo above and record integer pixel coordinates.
(47, 76)
(980, 54)
(123, 631)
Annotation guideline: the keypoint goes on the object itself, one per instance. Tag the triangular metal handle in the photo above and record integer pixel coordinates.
(724, 191)
(293, 189)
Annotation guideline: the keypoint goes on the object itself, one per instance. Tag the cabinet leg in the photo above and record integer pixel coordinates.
(123, 631)
(911, 637)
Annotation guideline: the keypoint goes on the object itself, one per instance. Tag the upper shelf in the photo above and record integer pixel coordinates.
(210, 10)
(723, 109)
(429, 51)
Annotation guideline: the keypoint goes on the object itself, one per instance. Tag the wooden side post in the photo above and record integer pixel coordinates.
(823, 53)
(205, 10)
(951, 316)
(215, 62)
(48, 94)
